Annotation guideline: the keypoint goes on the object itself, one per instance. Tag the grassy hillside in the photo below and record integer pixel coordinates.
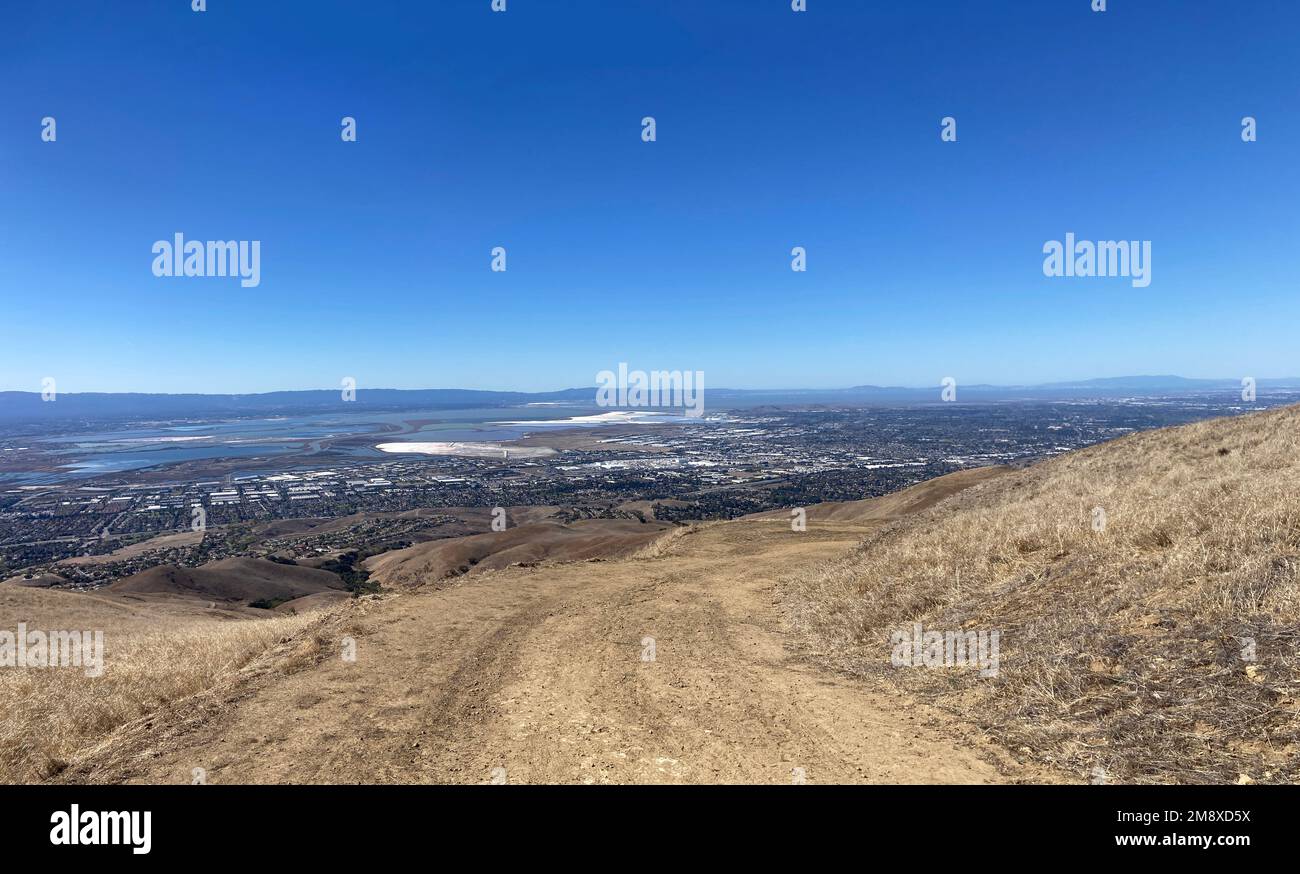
(1151, 640)
(156, 650)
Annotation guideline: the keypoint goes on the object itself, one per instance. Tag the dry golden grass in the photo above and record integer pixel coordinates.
(47, 715)
(664, 544)
(1121, 650)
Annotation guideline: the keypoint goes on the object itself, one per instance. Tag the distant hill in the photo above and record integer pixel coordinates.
(1162, 383)
(18, 406)
(1105, 387)
(242, 580)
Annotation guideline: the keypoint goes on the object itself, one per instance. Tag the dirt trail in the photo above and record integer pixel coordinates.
(540, 672)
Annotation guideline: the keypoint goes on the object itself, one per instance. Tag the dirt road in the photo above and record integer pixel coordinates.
(546, 674)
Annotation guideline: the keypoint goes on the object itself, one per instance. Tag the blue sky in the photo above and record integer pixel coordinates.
(775, 129)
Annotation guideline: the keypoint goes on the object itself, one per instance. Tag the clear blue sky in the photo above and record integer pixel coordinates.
(522, 129)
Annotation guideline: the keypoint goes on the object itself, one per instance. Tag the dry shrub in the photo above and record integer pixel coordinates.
(1126, 649)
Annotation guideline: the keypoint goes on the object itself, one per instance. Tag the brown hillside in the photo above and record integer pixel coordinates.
(231, 579)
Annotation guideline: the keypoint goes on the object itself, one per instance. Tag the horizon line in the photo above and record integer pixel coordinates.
(756, 390)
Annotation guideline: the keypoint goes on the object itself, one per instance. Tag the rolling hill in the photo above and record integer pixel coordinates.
(242, 580)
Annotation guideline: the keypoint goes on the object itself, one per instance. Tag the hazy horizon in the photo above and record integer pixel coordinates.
(1155, 380)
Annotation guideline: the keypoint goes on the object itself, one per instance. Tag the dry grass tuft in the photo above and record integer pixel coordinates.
(1124, 649)
(47, 715)
(308, 652)
(665, 544)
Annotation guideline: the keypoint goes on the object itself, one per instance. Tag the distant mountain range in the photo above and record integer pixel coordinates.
(27, 406)
(1113, 385)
